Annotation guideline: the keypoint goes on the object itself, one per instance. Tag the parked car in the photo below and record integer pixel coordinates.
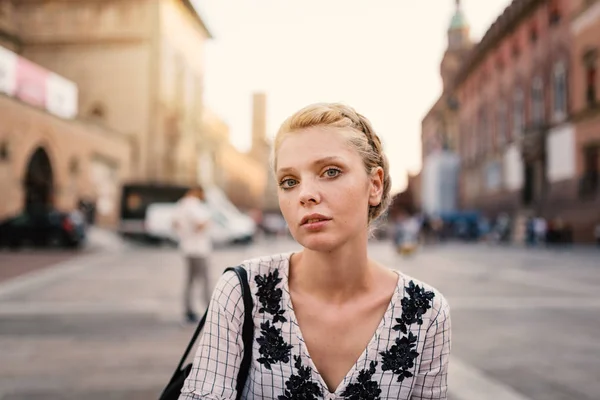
(50, 228)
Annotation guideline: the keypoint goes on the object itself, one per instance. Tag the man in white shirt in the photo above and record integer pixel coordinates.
(190, 222)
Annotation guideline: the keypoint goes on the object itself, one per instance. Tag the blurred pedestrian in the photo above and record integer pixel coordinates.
(540, 228)
(190, 222)
(329, 321)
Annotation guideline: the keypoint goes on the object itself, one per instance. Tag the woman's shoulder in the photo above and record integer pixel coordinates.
(269, 264)
(421, 294)
(267, 271)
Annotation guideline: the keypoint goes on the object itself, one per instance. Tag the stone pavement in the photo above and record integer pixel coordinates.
(104, 326)
(14, 263)
(108, 326)
(525, 319)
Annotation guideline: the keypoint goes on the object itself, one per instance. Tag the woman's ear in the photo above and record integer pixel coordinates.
(376, 187)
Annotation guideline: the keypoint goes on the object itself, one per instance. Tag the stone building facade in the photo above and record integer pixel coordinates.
(48, 160)
(9, 34)
(139, 68)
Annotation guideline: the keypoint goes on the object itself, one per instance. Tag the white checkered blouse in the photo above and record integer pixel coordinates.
(407, 357)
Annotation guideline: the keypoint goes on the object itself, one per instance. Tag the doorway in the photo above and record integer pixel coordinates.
(528, 183)
(39, 182)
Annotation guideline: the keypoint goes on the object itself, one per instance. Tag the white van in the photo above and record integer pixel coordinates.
(241, 226)
(228, 224)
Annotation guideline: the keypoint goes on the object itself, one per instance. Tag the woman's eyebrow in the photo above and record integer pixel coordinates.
(320, 161)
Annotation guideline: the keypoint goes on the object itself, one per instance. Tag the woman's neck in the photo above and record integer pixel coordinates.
(333, 276)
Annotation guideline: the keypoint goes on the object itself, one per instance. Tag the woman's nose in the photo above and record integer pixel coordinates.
(309, 193)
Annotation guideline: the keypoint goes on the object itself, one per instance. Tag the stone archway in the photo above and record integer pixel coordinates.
(39, 181)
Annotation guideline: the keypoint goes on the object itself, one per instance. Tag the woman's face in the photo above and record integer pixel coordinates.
(324, 190)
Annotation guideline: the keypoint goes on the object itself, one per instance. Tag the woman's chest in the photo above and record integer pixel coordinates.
(337, 337)
(315, 353)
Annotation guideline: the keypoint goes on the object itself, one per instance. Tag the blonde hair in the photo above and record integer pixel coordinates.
(362, 138)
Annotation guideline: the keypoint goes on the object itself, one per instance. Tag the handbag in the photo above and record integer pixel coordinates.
(173, 388)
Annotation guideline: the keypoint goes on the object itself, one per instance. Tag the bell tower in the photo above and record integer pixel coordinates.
(459, 44)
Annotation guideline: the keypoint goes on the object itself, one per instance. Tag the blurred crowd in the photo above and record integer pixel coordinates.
(407, 231)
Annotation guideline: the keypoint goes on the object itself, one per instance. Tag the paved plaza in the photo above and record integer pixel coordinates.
(107, 324)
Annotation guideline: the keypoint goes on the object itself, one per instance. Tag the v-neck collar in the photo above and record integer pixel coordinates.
(295, 327)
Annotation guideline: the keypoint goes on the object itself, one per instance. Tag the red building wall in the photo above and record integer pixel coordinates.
(524, 44)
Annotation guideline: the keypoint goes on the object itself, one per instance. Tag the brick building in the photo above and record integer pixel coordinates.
(518, 136)
(585, 100)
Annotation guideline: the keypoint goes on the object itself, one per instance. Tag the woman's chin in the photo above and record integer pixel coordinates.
(318, 242)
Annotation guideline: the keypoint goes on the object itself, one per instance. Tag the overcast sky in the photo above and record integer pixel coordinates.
(380, 56)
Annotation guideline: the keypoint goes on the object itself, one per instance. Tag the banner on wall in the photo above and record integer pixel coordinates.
(61, 96)
(8, 71)
(37, 86)
(31, 83)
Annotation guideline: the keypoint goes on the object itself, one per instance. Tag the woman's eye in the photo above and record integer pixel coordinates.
(332, 172)
(288, 183)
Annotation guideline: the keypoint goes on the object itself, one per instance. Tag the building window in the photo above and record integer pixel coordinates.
(4, 151)
(537, 102)
(465, 142)
(180, 76)
(554, 16)
(455, 40)
(515, 51)
(518, 113)
(472, 143)
(462, 141)
(499, 64)
(74, 167)
(560, 92)
(591, 66)
(501, 124)
(198, 90)
(590, 181)
(476, 140)
(493, 176)
(484, 132)
(533, 35)
(98, 111)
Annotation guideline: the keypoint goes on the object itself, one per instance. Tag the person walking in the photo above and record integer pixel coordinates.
(190, 222)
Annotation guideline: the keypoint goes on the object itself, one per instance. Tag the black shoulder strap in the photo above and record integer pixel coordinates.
(247, 331)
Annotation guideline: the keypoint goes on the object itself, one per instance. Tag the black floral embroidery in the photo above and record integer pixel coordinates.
(365, 388)
(400, 357)
(413, 307)
(300, 386)
(272, 346)
(269, 295)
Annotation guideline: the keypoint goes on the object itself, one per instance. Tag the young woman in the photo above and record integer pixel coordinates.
(330, 323)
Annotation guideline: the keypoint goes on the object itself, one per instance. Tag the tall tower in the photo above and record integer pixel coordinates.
(260, 147)
(459, 44)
